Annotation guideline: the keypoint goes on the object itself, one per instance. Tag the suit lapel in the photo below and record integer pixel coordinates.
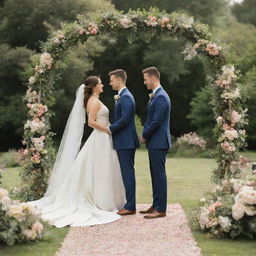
(121, 94)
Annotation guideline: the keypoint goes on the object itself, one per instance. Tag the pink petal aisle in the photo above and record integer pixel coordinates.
(134, 235)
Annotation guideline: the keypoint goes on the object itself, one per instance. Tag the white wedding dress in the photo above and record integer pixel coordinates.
(92, 190)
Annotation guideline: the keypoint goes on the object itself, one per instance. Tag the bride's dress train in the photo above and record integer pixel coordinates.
(92, 190)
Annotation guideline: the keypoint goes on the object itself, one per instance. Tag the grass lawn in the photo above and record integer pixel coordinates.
(188, 179)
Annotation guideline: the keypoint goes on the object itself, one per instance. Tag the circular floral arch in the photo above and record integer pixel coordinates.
(141, 24)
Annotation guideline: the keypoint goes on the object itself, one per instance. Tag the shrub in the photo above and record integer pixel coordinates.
(229, 210)
(19, 222)
(12, 158)
(190, 145)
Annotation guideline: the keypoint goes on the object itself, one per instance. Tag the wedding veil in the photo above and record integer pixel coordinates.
(70, 142)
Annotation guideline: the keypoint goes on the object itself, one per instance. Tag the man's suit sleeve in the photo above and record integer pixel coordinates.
(160, 106)
(126, 106)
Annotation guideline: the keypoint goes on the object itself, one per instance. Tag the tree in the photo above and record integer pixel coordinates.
(12, 109)
(23, 25)
(245, 11)
(205, 11)
(248, 68)
(27, 22)
(201, 114)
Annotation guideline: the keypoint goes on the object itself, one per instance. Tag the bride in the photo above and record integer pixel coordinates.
(85, 188)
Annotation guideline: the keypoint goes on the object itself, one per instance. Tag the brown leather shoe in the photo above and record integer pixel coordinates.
(149, 210)
(155, 215)
(126, 212)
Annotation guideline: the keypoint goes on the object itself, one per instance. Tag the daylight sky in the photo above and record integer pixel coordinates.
(236, 1)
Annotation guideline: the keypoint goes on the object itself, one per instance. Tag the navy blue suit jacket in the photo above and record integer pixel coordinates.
(123, 128)
(157, 126)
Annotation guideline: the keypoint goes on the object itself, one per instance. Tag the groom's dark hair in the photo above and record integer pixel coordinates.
(152, 71)
(119, 73)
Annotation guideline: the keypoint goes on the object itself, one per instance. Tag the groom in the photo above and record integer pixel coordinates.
(156, 135)
(125, 139)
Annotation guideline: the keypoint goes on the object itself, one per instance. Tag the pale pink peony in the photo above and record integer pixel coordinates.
(237, 184)
(238, 211)
(189, 52)
(3, 193)
(225, 223)
(151, 21)
(6, 202)
(231, 134)
(37, 227)
(226, 127)
(38, 143)
(219, 119)
(92, 28)
(231, 95)
(228, 75)
(44, 152)
(81, 31)
(29, 208)
(126, 22)
(42, 138)
(164, 21)
(37, 110)
(212, 208)
(228, 147)
(213, 49)
(31, 96)
(35, 125)
(46, 60)
(187, 22)
(169, 26)
(16, 212)
(39, 69)
(60, 37)
(235, 117)
(242, 132)
(30, 234)
(204, 219)
(250, 210)
(250, 197)
(32, 80)
(203, 200)
(35, 158)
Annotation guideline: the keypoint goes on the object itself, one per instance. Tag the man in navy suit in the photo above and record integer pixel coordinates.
(156, 135)
(125, 139)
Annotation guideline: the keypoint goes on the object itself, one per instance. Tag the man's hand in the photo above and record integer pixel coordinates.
(142, 140)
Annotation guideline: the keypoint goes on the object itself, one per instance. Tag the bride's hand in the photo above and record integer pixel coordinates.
(106, 130)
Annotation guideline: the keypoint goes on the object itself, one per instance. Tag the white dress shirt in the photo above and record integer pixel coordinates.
(119, 92)
(159, 86)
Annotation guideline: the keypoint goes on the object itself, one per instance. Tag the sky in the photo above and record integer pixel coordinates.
(236, 1)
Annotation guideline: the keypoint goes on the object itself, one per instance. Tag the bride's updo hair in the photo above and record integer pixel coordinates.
(89, 82)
